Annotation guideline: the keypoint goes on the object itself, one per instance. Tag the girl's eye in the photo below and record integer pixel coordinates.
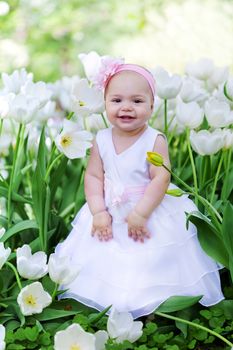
(117, 100)
(138, 101)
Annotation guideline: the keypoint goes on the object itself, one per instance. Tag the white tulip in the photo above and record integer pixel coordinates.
(23, 108)
(91, 64)
(61, 90)
(189, 114)
(100, 339)
(202, 69)
(72, 141)
(95, 122)
(2, 232)
(228, 89)
(32, 299)
(5, 142)
(206, 143)
(38, 91)
(158, 122)
(46, 112)
(31, 266)
(218, 113)
(218, 76)
(2, 337)
(192, 91)
(62, 270)
(86, 100)
(121, 326)
(228, 138)
(168, 86)
(4, 254)
(5, 103)
(4, 107)
(14, 82)
(74, 338)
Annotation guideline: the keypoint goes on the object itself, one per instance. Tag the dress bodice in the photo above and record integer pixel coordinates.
(130, 165)
(126, 175)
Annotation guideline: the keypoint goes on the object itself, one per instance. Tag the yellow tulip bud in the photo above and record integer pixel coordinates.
(175, 192)
(155, 158)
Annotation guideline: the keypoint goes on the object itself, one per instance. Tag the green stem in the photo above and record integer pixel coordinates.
(55, 291)
(16, 274)
(104, 120)
(165, 118)
(207, 204)
(192, 163)
(86, 127)
(67, 210)
(51, 166)
(1, 125)
(229, 160)
(12, 175)
(53, 150)
(204, 164)
(216, 177)
(70, 115)
(154, 116)
(193, 324)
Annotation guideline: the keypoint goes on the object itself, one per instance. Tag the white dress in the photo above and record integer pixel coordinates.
(133, 276)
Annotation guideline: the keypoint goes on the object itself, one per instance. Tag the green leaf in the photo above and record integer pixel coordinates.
(16, 347)
(183, 327)
(227, 308)
(227, 231)
(209, 239)
(15, 310)
(150, 328)
(31, 333)
(20, 334)
(192, 344)
(207, 314)
(41, 156)
(227, 186)
(19, 227)
(12, 325)
(57, 175)
(14, 196)
(177, 303)
(93, 318)
(39, 190)
(52, 314)
(45, 339)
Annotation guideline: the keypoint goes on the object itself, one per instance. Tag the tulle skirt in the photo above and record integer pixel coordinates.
(138, 277)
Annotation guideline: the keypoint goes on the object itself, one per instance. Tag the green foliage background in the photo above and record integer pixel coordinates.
(51, 33)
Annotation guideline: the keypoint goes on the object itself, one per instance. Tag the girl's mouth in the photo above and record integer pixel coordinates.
(126, 117)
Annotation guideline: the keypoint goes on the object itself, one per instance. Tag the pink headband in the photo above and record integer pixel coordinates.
(138, 69)
(110, 67)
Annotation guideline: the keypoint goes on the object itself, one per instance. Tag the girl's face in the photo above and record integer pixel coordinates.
(128, 101)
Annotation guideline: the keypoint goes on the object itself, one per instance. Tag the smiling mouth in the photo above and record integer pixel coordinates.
(126, 117)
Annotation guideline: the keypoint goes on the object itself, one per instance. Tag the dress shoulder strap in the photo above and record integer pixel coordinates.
(151, 137)
(102, 139)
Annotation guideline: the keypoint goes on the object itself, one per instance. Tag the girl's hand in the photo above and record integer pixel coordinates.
(137, 226)
(102, 226)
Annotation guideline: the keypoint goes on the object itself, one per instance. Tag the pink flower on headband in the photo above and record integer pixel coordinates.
(108, 68)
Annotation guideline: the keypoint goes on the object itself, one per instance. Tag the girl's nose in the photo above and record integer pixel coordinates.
(127, 106)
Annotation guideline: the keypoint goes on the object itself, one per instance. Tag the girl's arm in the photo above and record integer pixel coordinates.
(160, 179)
(94, 182)
(94, 191)
(154, 193)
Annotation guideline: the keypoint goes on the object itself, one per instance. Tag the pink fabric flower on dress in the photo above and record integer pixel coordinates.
(108, 68)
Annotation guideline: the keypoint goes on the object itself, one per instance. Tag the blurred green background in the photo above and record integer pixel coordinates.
(46, 36)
